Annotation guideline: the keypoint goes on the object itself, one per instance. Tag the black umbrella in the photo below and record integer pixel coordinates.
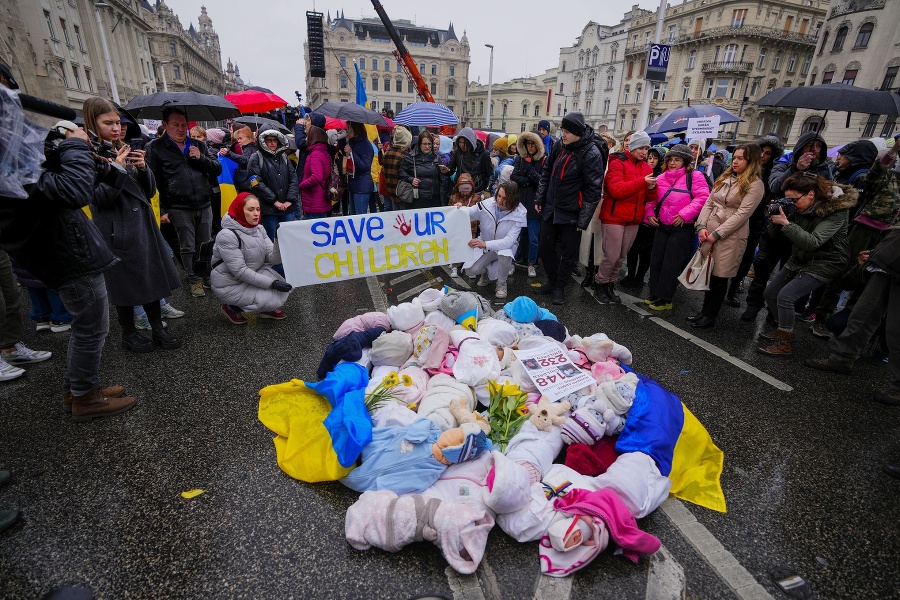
(261, 124)
(260, 89)
(351, 112)
(197, 107)
(834, 96)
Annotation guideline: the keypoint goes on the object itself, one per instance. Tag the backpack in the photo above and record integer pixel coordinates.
(204, 264)
(334, 186)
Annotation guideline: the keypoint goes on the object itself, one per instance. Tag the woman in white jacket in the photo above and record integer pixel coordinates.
(501, 218)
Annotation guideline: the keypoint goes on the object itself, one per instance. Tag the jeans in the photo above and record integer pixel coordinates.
(360, 203)
(270, 222)
(193, 228)
(771, 252)
(388, 204)
(309, 216)
(534, 239)
(784, 290)
(481, 266)
(46, 303)
(12, 330)
(671, 250)
(617, 240)
(559, 267)
(85, 299)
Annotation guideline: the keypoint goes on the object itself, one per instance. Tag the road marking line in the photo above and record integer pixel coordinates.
(460, 280)
(465, 587)
(665, 580)
(711, 550)
(415, 291)
(553, 588)
(378, 298)
(405, 276)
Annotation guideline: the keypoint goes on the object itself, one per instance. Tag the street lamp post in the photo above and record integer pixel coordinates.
(490, 83)
(744, 99)
(162, 68)
(109, 66)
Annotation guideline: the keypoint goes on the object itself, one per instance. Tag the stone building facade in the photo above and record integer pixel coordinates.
(860, 45)
(727, 53)
(185, 60)
(442, 58)
(518, 104)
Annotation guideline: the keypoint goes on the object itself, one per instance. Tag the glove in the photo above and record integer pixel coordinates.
(281, 286)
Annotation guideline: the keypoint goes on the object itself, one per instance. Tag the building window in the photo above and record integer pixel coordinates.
(559, 110)
(759, 126)
(89, 80)
(865, 33)
(387, 65)
(730, 54)
(827, 76)
(888, 130)
(537, 110)
(177, 72)
(754, 88)
(643, 66)
(172, 50)
(625, 98)
(65, 30)
(433, 88)
(813, 123)
(343, 82)
(65, 78)
(522, 129)
(613, 54)
(761, 63)
(673, 31)
(804, 70)
(890, 76)
(776, 64)
(78, 38)
(433, 69)
(692, 59)
(398, 106)
(709, 88)
(605, 107)
(375, 64)
(481, 108)
(849, 77)
(375, 84)
(398, 67)
(722, 87)
(451, 89)
(737, 17)
(792, 63)
(373, 104)
(398, 86)
(410, 89)
(452, 71)
(637, 93)
(362, 64)
(685, 90)
(871, 123)
(839, 39)
(343, 61)
(560, 88)
(49, 24)
(422, 68)
(77, 76)
(633, 122)
(525, 110)
(609, 82)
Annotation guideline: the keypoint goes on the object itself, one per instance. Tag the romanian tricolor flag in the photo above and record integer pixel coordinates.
(226, 184)
(662, 427)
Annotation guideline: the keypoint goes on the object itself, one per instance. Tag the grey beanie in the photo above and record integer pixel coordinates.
(639, 139)
(680, 151)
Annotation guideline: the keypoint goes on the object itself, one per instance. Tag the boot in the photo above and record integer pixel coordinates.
(703, 322)
(135, 342)
(750, 313)
(731, 299)
(844, 367)
(546, 289)
(164, 339)
(588, 278)
(113, 391)
(559, 296)
(769, 336)
(95, 405)
(611, 292)
(783, 346)
(601, 294)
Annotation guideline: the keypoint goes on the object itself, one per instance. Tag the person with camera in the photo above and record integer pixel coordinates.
(421, 169)
(242, 276)
(813, 216)
(182, 169)
(125, 219)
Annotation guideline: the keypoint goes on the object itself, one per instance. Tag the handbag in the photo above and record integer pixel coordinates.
(405, 190)
(698, 271)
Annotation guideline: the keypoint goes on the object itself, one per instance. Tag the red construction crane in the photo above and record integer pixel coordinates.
(403, 56)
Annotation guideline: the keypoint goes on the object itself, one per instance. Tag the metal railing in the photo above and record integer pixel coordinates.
(748, 30)
(731, 66)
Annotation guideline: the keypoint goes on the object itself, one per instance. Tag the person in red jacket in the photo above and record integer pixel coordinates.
(316, 176)
(628, 179)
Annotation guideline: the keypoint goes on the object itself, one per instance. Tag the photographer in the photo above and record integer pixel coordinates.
(813, 217)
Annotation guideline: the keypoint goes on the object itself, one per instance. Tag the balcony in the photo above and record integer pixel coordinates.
(728, 66)
(637, 49)
(748, 31)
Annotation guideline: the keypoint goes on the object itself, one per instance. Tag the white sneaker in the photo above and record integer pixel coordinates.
(170, 312)
(501, 290)
(42, 325)
(483, 281)
(454, 272)
(59, 326)
(22, 354)
(9, 372)
(141, 322)
(512, 269)
(531, 271)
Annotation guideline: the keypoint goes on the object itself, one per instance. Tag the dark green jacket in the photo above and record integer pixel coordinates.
(819, 240)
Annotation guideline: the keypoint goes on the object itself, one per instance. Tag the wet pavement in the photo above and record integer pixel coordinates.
(102, 507)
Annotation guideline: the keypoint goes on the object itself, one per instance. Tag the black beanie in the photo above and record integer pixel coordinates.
(573, 122)
(317, 120)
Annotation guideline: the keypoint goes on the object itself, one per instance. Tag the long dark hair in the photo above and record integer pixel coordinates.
(511, 190)
(805, 182)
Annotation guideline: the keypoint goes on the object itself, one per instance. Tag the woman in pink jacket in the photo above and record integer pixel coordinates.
(316, 176)
(680, 196)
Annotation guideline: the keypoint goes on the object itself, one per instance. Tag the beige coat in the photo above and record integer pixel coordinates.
(726, 213)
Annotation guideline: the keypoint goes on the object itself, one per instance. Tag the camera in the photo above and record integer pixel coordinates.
(107, 171)
(785, 204)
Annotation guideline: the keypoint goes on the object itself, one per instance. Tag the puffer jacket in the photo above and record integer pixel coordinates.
(429, 175)
(276, 176)
(477, 163)
(48, 234)
(624, 190)
(499, 229)
(782, 171)
(678, 202)
(244, 276)
(363, 154)
(819, 239)
(316, 173)
(571, 182)
(527, 172)
(183, 182)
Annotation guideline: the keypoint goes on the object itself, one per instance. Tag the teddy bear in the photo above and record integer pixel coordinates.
(459, 408)
(606, 370)
(599, 348)
(546, 414)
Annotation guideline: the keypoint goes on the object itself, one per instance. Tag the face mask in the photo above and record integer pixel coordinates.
(465, 189)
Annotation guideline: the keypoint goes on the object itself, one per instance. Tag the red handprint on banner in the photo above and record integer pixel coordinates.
(403, 225)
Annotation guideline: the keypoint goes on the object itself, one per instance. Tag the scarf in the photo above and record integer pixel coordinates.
(236, 210)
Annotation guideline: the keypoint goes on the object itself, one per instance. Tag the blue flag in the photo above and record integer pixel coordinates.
(361, 97)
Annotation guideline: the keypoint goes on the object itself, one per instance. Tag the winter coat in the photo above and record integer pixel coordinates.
(477, 163)
(363, 153)
(527, 173)
(244, 276)
(678, 202)
(471, 200)
(276, 178)
(390, 165)
(571, 182)
(782, 171)
(48, 234)
(316, 174)
(819, 243)
(499, 232)
(624, 190)
(302, 147)
(183, 183)
(429, 175)
(878, 209)
(125, 220)
(243, 157)
(726, 215)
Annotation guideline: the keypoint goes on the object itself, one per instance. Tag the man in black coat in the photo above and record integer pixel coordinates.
(182, 168)
(571, 183)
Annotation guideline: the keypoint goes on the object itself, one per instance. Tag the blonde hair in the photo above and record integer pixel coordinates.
(199, 132)
(752, 152)
(243, 133)
(93, 109)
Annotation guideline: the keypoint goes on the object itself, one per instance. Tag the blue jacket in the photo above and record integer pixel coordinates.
(548, 145)
(363, 153)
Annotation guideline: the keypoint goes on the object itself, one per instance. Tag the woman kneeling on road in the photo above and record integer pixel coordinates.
(242, 276)
(816, 225)
(501, 219)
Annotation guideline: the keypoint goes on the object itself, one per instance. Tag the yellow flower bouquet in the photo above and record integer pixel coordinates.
(506, 412)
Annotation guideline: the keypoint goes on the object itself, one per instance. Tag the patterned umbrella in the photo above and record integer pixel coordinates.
(426, 114)
(677, 120)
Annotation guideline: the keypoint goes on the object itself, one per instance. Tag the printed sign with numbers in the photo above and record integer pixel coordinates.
(552, 371)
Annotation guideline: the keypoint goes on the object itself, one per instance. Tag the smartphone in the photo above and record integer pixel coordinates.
(136, 143)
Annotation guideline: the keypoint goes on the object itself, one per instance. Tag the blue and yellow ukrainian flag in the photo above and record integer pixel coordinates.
(226, 184)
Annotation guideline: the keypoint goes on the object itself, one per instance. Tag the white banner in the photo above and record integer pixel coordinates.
(339, 248)
(553, 372)
(705, 127)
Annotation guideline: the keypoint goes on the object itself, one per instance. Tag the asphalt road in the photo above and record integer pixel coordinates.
(102, 507)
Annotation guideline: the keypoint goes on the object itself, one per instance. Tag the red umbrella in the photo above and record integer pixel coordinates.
(333, 123)
(254, 101)
(390, 125)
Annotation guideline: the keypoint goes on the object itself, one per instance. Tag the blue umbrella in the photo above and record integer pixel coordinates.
(426, 114)
(677, 120)
(658, 138)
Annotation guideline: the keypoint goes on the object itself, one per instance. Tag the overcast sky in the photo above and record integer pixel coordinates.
(265, 37)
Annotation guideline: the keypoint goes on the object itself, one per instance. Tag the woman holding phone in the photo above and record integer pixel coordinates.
(145, 272)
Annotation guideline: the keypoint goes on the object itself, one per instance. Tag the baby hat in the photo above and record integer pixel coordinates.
(391, 349)
(553, 329)
(477, 362)
(499, 334)
(562, 531)
(462, 307)
(619, 393)
(407, 317)
(363, 322)
(474, 444)
(525, 310)
(429, 346)
(584, 426)
(430, 300)
(436, 317)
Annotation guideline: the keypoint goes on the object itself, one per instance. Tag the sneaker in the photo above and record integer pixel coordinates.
(207, 283)
(651, 300)
(197, 289)
(660, 305)
(532, 272)
(454, 272)
(141, 322)
(8, 372)
(59, 326)
(170, 312)
(611, 292)
(483, 281)
(501, 291)
(42, 324)
(234, 317)
(22, 354)
(819, 330)
(273, 314)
